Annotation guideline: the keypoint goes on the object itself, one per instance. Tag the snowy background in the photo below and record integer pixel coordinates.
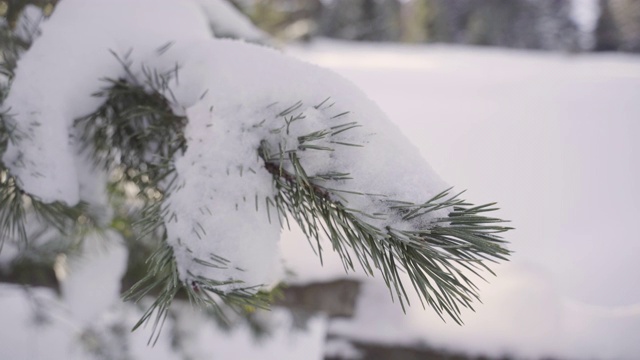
(554, 139)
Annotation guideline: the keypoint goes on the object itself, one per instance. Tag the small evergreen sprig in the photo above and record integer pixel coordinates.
(17, 208)
(163, 281)
(433, 255)
(135, 127)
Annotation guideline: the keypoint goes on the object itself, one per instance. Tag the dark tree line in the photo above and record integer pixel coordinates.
(526, 24)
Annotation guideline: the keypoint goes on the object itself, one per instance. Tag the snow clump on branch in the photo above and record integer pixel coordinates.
(239, 99)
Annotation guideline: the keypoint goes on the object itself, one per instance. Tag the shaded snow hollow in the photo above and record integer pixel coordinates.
(234, 95)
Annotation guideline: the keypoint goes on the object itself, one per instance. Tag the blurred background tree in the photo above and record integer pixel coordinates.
(524, 24)
(618, 27)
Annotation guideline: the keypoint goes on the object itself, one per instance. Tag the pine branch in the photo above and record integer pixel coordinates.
(136, 133)
(162, 278)
(135, 127)
(436, 256)
(15, 204)
(11, 47)
(18, 209)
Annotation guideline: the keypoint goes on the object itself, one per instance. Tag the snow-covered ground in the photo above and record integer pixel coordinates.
(552, 138)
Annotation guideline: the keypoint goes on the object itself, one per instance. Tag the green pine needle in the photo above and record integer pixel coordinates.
(436, 257)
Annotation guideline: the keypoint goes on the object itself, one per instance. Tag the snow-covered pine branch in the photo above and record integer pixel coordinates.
(226, 141)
